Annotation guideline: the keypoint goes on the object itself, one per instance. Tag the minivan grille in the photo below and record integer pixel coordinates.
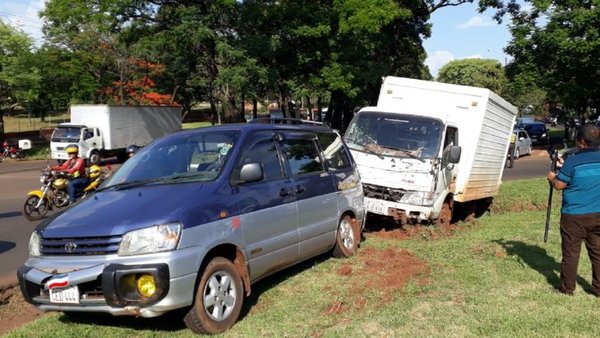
(383, 193)
(80, 246)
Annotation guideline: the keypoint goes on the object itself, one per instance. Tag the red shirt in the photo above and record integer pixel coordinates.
(73, 166)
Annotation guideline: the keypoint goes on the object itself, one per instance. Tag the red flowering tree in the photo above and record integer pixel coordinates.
(138, 87)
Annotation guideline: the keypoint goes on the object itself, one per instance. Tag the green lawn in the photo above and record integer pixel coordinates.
(492, 277)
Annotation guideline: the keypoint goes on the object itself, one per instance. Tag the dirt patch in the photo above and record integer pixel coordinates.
(381, 274)
(14, 310)
(415, 232)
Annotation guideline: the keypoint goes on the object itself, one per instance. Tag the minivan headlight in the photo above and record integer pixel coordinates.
(34, 245)
(158, 238)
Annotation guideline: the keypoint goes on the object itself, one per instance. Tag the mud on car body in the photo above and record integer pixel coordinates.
(194, 219)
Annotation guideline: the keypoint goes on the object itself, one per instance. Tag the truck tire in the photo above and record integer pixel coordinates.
(218, 300)
(445, 216)
(95, 158)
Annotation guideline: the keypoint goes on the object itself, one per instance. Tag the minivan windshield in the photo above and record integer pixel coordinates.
(185, 157)
(392, 134)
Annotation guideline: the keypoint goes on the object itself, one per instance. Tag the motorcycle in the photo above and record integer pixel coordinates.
(53, 193)
(12, 152)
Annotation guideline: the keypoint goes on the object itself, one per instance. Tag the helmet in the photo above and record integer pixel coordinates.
(95, 171)
(132, 149)
(72, 148)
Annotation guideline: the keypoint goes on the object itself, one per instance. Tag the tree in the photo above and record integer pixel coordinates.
(19, 78)
(560, 41)
(485, 73)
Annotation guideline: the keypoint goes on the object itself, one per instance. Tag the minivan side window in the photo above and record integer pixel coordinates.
(334, 152)
(261, 148)
(303, 155)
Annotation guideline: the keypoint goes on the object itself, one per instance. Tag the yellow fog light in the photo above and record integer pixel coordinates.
(146, 285)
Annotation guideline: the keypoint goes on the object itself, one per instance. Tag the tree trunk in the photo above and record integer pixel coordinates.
(339, 112)
(254, 108)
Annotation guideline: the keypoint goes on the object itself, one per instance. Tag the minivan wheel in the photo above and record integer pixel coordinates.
(517, 153)
(218, 299)
(347, 238)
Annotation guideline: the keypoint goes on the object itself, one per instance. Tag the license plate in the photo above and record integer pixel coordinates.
(374, 207)
(69, 295)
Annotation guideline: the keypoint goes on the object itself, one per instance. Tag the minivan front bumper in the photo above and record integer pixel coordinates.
(111, 287)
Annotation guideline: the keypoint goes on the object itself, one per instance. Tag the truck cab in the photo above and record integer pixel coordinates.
(89, 140)
(406, 163)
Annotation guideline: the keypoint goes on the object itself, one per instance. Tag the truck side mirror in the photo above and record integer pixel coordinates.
(451, 155)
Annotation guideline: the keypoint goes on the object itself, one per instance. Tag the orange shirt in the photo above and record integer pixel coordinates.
(73, 166)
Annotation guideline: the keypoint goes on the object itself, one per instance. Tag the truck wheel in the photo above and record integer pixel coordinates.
(347, 238)
(95, 158)
(218, 299)
(445, 216)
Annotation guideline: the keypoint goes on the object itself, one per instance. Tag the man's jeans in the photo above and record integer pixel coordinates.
(75, 186)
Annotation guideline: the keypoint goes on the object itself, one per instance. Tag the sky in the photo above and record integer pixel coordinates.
(458, 32)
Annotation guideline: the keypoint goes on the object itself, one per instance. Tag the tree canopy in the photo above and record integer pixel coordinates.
(485, 73)
(556, 47)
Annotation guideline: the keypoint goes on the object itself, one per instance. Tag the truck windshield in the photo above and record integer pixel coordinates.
(186, 157)
(393, 134)
(66, 134)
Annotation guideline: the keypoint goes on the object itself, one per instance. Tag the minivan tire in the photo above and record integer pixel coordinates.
(222, 282)
(347, 238)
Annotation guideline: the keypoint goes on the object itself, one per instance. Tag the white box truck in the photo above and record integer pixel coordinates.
(427, 145)
(107, 130)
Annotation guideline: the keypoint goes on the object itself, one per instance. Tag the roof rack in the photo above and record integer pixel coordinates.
(285, 120)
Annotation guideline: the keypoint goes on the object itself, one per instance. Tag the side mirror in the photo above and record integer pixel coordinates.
(251, 172)
(451, 154)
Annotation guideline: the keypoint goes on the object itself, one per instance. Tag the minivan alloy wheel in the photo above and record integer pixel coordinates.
(219, 295)
(347, 237)
(218, 300)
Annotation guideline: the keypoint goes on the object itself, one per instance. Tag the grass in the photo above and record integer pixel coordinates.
(493, 277)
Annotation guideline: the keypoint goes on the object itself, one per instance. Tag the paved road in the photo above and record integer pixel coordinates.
(18, 178)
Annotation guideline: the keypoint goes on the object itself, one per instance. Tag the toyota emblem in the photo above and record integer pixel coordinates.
(70, 247)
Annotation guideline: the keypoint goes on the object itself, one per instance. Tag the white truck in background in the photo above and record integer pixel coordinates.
(107, 130)
(427, 145)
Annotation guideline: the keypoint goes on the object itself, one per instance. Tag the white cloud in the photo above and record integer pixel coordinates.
(477, 21)
(475, 56)
(438, 60)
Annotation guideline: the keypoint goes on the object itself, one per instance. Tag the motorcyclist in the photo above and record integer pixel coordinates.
(131, 150)
(75, 168)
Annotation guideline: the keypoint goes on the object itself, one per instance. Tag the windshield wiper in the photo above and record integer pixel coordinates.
(132, 184)
(367, 149)
(404, 151)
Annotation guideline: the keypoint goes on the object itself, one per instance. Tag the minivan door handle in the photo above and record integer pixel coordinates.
(284, 192)
(299, 189)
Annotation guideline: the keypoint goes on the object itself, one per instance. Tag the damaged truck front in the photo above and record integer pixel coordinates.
(427, 145)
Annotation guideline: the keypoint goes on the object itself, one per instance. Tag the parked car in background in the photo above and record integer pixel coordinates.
(193, 219)
(537, 131)
(523, 146)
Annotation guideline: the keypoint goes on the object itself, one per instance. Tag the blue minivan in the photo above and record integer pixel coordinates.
(193, 219)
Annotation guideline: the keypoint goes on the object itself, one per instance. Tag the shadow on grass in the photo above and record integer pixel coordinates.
(173, 321)
(538, 259)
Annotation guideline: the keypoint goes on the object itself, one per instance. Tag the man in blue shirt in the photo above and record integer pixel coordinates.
(579, 177)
